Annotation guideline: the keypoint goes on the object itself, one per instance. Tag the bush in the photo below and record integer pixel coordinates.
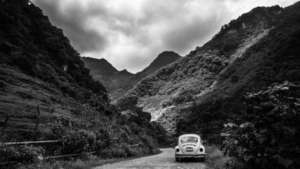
(127, 102)
(103, 141)
(79, 141)
(119, 151)
(267, 135)
(21, 154)
(116, 150)
(183, 97)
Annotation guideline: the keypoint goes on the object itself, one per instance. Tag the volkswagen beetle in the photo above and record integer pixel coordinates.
(190, 146)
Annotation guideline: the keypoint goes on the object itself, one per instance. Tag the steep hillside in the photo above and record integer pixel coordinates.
(161, 60)
(99, 68)
(275, 58)
(102, 71)
(181, 83)
(46, 93)
(270, 124)
(118, 82)
(220, 68)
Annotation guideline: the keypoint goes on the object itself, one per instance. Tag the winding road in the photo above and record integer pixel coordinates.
(165, 160)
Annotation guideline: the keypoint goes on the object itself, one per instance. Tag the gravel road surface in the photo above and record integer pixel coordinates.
(165, 160)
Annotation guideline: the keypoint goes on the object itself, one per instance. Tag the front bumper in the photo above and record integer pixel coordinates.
(190, 155)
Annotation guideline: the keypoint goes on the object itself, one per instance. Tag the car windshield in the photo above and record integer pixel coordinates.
(189, 139)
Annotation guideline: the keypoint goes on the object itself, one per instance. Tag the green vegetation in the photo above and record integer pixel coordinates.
(260, 115)
(119, 82)
(21, 154)
(208, 89)
(48, 94)
(267, 134)
(189, 81)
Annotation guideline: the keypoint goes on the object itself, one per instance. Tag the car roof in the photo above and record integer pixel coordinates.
(189, 135)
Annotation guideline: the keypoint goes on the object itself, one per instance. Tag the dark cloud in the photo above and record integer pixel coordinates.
(130, 34)
(72, 22)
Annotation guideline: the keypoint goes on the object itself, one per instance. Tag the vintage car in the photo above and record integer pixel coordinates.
(190, 146)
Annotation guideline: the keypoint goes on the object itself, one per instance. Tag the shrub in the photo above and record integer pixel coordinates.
(21, 154)
(184, 96)
(267, 135)
(79, 141)
(119, 151)
(102, 142)
(116, 150)
(127, 102)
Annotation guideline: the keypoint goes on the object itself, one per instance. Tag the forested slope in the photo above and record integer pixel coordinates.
(46, 93)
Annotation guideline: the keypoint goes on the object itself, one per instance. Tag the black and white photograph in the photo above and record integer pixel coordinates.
(149, 84)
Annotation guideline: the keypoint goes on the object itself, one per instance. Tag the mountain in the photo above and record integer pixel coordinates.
(240, 90)
(271, 60)
(99, 67)
(118, 82)
(46, 93)
(251, 52)
(161, 60)
(101, 70)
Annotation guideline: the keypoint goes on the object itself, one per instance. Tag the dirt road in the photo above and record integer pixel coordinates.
(165, 160)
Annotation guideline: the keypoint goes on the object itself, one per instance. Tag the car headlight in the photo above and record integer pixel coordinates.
(177, 150)
(201, 149)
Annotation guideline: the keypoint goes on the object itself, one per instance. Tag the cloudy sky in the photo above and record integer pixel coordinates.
(131, 33)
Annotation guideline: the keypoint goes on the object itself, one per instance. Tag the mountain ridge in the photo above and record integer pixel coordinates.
(169, 93)
(118, 82)
(163, 59)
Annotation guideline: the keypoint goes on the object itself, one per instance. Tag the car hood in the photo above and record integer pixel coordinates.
(188, 145)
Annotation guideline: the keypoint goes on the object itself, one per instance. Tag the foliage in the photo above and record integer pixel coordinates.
(20, 154)
(38, 60)
(127, 103)
(32, 45)
(78, 141)
(186, 83)
(267, 134)
(183, 97)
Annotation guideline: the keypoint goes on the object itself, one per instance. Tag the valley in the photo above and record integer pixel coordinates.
(119, 82)
(239, 91)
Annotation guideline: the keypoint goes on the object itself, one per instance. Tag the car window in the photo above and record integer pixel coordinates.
(189, 139)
